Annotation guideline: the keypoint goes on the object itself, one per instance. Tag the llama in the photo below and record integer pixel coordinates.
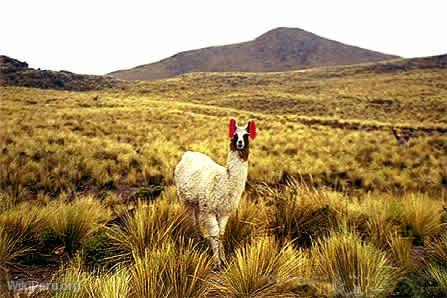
(212, 192)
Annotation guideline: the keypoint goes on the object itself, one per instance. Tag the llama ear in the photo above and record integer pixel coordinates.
(232, 128)
(252, 129)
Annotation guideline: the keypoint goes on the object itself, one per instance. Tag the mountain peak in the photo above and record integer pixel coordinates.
(280, 30)
(280, 49)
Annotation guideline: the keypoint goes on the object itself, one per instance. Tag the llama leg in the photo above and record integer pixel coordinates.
(212, 234)
(195, 215)
(196, 219)
(222, 221)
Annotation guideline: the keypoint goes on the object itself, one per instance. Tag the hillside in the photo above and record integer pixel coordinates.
(360, 101)
(87, 196)
(281, 49)
(404, 90)
(17, 73)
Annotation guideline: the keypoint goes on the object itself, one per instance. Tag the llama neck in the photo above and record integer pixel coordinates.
(237, 169)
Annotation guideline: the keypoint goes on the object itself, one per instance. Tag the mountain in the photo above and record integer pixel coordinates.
(281, 49)
(17, 73)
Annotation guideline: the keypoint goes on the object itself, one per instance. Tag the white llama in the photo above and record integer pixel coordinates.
(211, 191)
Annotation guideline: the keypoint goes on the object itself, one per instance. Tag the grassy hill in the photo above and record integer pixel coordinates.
(86, 181)
(280, 49)
(400, 91)
(17, 73)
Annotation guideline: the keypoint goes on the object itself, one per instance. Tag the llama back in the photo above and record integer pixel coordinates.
(192, 175)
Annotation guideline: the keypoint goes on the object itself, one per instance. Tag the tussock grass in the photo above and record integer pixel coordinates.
(10, 248)
(349, 267)
(71, 223)
(149, 226)
(435, 267)
(261, 269)
(400, 249)
(422, 216)
(249, 221)
(439, 275)
(111, 146)
(300, 214)
(25, 221)
(76, 158)
(112, 284)
(439, 250)
(171, 271)
(74, 278)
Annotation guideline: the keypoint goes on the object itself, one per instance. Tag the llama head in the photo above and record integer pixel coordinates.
(240, 135)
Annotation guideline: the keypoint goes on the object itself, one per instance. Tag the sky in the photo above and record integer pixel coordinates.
(97, 37)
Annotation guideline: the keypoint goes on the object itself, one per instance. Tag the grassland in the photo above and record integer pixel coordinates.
(334, 205)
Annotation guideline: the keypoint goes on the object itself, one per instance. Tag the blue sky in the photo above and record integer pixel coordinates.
(101, 36)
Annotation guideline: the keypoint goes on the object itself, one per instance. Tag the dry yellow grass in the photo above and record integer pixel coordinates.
(73, 165)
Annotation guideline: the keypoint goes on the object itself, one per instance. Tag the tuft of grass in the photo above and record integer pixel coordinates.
(170, 271)
(73, 223)
(10, 248)
(149, 226)
(421, 216)
(439, 250)
(349, 267)
(261, 269)
(26, 221)
(439, 275)
(75, 280)
(249, 220)
(413, 215)
(301, 214)
(378, 229)
(112, 284)
(400, 249)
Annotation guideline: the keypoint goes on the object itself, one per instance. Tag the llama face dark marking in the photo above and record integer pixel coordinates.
(240, 142)
(240, 138)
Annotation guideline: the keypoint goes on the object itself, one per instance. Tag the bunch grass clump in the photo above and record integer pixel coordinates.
(149, 226)
(171, 271)
(421, 215)
(350, 267)
(249, 220)
(10, 248)
(111, 284)
(74, 278)
(301, 214)
(71, 223)
(400, 249)
(438, 274)
(25, 221)
(261, 269)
